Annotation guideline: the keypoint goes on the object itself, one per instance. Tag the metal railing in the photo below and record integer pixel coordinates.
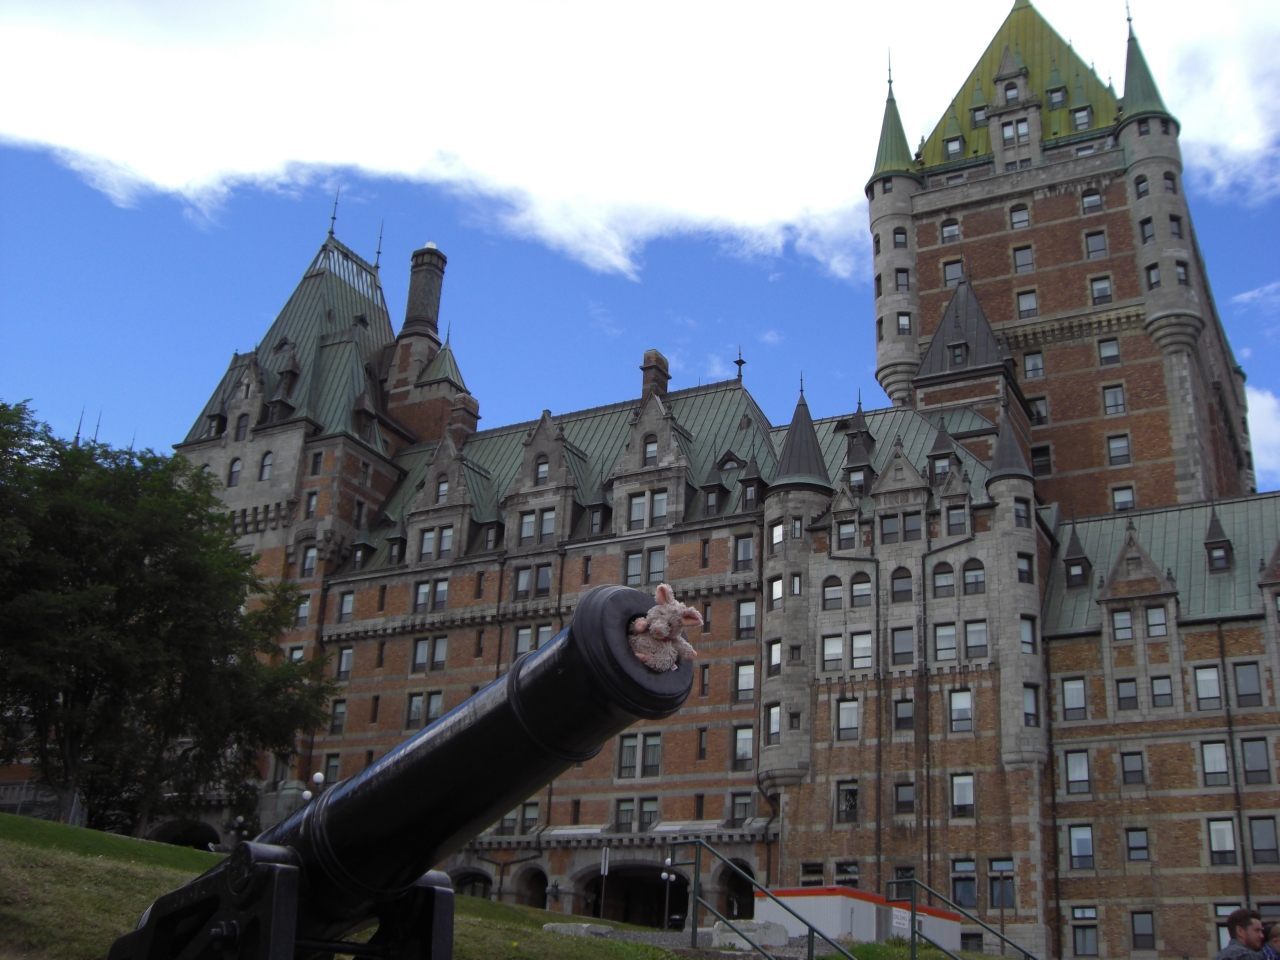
(916, 932)
(698, 901)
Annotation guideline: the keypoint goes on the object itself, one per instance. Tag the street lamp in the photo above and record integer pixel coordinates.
(668, 878)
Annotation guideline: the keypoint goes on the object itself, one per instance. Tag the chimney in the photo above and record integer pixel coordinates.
(655, 373)
(464, 417)
(422, 312)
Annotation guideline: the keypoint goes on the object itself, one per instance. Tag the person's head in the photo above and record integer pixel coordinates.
(1245, 925)
(1271, 935)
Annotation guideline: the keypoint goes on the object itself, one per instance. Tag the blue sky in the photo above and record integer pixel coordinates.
(594, 198)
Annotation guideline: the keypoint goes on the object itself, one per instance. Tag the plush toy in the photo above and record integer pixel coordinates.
(657, 638)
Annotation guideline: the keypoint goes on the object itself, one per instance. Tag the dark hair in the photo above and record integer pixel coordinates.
(1240, 919)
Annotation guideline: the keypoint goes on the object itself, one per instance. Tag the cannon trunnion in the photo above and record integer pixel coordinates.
(361, 853)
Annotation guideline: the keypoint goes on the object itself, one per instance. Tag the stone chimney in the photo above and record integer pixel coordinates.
(464, 417)
(655, 373)
(422, 312)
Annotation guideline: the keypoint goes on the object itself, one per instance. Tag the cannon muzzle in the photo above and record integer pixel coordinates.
(362, 850)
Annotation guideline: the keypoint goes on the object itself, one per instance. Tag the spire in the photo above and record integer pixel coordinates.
(1074, 550)
(333, 218)
(377, 257)
(942, 442)
(1141, 98)
(739, 363)
(979, 97)
(953, 125)
(1078, 98)
(1008, 461)
(801, 461)
(893, 155)
(1055, 77)
(444, 366)
(1215, 533)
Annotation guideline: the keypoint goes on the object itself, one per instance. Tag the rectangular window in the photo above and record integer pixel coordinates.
(952, 273)
(635, 568)
(658, 509)
(743, 748)
(910, 527)
(1006, 134)
(626, 815)
(657, 565)
(702, 745)
(848, 535)
(1153, 276)
(652, 757)
(773, 650)
(1073, 705)
(964, 887)
(904, 798)
(1085, 940)
(1026, 568)
(705, 556)
(745, 681)
(649, 813)
(338, 716)
(1041, 461)
(303, 614)
(1175, 227)
(1122, 624)
(524, 577)
(795, 584)
(955, 521)
(543, 636)
(346, 607)
(1214, 757)
(1180, 272)
(944, 641)
(635, 515)
(1257, 765)
(547, 526)
(744, 553)
(528, 528)
(889, 530)
(1148, 230)
(706, 618)
(435, 705)
(1136, 843)
(1126, 694)
(975, 639)
(741, 808)
(961, 711)
(1248, 684)
(746, 619)
(439, 653)
(524, 640)
(1028, 631)
(1222, 842)
(413, 716)
(1262, 834)
(1032, 365)
(1208, 689)
(775, 538)
(1081, 847)
(345, 657)
(311, 505)
(1144, 931)
(1132, 768)
(704, 687)
(1091, 202)
(1161, 692)
(902, 280)
(440, 595)
(847, 720)
(627, 749)
(832, 653)
(1030, 705)
(847, 802)
(1113, 400)
(1122, 499)
(1095, 246)
(904, 715)
(904, 647)
(962, 794)
(860, 654)
(1028, 305)
(1022, 260)
(904, 324)
(597, 522)
(1100, 289)
(1118, 450)
(1078, 772)
(1024, 131)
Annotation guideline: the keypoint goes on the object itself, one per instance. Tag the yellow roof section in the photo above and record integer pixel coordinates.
(1034, 43)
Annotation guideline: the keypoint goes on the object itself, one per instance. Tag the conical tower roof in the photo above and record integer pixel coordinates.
(444, 366)
(801, 461)
(942, 442)
(1215, 533)
(1008, 461)
(893, 155)
(962, 322)
(1141, 97)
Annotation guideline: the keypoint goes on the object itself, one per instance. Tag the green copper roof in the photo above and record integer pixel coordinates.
(444, 366)
(801, 460)
(1141, 98)
(893, 154)
(1033, 42)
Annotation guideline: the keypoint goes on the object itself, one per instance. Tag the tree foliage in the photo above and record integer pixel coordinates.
(139, 667)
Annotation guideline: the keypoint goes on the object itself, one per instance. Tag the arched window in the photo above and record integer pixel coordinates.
(901, 583)
(832, 594)
(1010, 93)
(975, 577)
(1141, 187)
(944, 580)
(950, 231)
(442, 488)
(861, 590)
(541, 469)
(242, 426)
(1019, 217)
(233, 475)
(264, 471)
(650, 451)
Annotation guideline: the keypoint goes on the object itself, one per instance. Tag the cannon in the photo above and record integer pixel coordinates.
(362, 852)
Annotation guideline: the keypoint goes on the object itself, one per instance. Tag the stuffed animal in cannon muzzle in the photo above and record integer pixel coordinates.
(657, 639)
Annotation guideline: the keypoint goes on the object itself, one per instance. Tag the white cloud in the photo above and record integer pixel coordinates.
(1265, 297)
(591, 128)
(771, 337)
(1264, 436)
(717, 368)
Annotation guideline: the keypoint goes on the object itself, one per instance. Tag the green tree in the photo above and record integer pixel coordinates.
(139, 667)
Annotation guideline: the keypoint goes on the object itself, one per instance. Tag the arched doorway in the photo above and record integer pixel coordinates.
(737, 896)
(473, 883)
(532, 889)
(636, 893)
(186, 833)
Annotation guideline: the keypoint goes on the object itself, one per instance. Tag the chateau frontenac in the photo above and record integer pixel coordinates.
(1014, 635)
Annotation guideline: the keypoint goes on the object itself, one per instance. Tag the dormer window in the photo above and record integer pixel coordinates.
(358, 560)
(242, 426)
(1010, 93)
(955, 148)
(959, 354)
(1082, 119)
(395, 550)
(1219, 556)
(1077, 573)
(1057, 98)
(650, 451)
(749, 497)
(941, 469)
(442, 489)
(713, 503)
(541, 470)
(979, 117)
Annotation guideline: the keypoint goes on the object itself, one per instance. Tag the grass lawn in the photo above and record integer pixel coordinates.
(66, 893)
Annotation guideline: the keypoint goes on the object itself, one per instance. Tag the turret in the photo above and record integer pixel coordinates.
(897, 296)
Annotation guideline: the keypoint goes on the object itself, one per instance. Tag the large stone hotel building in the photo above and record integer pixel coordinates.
(1015, 635)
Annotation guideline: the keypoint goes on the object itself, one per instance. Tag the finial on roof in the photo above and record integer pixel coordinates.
(377, 257)
(802, 383)
(739, 363)
(1128, 15)
(334, 216)
(97, 425)
(890, 55)
(76, 441)
(1130, 526)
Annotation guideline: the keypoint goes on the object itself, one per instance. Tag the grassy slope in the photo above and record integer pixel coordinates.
(67, 893)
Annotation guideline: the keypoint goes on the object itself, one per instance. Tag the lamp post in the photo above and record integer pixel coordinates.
(668, 878)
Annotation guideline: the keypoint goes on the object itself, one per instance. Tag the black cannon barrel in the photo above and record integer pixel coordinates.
(369, 838)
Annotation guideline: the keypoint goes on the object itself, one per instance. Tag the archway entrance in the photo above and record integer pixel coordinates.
(473, 884)
(737, 896)
(636, 893)
(186, 833)
(532, 889)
